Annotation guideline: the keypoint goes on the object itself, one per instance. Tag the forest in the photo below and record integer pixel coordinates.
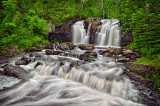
(23, 23)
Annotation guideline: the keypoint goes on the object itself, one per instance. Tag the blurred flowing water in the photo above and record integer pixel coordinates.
(68, 81)
(107, 35)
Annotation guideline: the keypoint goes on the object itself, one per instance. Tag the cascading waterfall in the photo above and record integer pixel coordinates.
(97, 83)
(108, 34)
(79, 31)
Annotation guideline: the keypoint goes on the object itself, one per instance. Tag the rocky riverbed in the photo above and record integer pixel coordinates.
(103, 70)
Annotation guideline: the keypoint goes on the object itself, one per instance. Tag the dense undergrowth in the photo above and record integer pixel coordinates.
(23, 22)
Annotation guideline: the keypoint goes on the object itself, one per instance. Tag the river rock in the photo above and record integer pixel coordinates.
(23, 61)
(110, 52)
(49, 52)
(71, 45)
(52, 52)
(66, 46)
(88, 55)
(15, 72)
(86, 46)
(123, 60)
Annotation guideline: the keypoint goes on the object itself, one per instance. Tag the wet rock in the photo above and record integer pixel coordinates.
(23, 61)
(130, 54)
(55, 44)
(140, 69)
(63, 32)
(110, 52)
(49, 52)
(86, 46)
(66, 46)
(35, 55)
(52, 52)
(95, 24)
(38, 63)
(15, 72)
(140, 79)
(88, 55)
(35, 49)
(123, 60)
(71, 45)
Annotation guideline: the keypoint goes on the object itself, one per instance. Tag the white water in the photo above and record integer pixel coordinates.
(98, 83)
(107, 35)
(79, 32)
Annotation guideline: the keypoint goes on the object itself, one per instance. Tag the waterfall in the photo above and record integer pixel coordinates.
(79, 33)
(107, 35)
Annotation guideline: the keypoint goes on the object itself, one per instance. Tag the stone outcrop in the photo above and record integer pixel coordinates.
(15, 72)
(142, 70)
(63, 32)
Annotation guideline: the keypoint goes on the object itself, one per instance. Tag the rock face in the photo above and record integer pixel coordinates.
(94, 26)
(15, 72)
(86, 46)
(126, 39)
(63, 32)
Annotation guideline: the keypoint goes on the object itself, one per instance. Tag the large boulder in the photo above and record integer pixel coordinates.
(86, 46)
(23, 61)
(15, 72)
(140, 69)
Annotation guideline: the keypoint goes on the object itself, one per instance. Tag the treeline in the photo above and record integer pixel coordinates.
(23, 22)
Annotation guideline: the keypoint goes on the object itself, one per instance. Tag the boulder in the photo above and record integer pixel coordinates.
(23, 61)
(110, 52)
(86, 46)
(52, 52)
(35, 49)
(130, 54)
(140, 69)
(123, 60)
(88, 55)
(66, 46)
(49, 52)
(15, 72)
(71, 45)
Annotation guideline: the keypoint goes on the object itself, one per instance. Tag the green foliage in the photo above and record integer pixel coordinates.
(21, 30)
